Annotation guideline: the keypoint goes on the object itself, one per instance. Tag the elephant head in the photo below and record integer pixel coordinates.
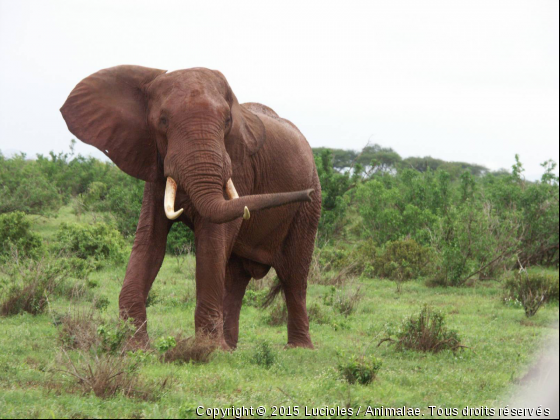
(185, 125)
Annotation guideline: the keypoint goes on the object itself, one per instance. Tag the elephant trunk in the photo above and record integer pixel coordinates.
(201, 174)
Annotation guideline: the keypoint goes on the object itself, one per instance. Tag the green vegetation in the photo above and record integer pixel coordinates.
(426, 332)
(422, 223)
(17, 237)
(532, 289)
(362, 370)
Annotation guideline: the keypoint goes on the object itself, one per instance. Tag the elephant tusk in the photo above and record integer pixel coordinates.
(231, 191)
(169, 200)
(232, 194)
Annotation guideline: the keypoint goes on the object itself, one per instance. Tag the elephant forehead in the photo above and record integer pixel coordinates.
(188, 81)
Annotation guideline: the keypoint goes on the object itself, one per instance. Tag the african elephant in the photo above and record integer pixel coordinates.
(240, 177)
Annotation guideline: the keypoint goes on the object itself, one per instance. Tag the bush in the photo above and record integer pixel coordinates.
(343, 301)
(532, 289)
(16, 236)
(165, 344)
(91, 199)
(426, 332)
(360, 369)
(30, 284)
(255, 298)
(78, 330)
(316, 314)
(403, 260)
(153, 298)
(98, 241)
(180, 239)
(334, 185)
(116, 336)
(25, 188)
(101, 303)
(473, 239)
(123, 203)
(264, 355)
(278, 314)
(100, 362)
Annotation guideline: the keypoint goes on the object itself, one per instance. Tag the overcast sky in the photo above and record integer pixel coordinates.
(475, 81)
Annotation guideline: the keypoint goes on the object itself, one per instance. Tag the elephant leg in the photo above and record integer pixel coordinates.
(237, 280)
(214, 243)
(292, 268)
(145, 260)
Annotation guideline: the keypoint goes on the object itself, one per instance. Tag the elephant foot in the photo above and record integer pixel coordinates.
(224, 346)
(304, 345)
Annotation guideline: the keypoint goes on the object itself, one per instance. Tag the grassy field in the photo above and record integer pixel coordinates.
(501, 343)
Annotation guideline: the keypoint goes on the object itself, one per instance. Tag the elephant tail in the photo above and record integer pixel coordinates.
(275, 290)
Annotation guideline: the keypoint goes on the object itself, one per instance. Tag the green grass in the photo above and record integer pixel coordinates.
(502, 344)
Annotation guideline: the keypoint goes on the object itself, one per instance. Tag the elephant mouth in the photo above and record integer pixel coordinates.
(171, 193)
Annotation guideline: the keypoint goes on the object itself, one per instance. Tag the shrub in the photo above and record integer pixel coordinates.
(25, 188)
(153, 298)
(183, 251)
(100, 362)
(333, 265)
(532, 289)
(360, 369)
(317, 314)
(30, 284)
(403, 260)
(264, 355)
(255, 298)
(334, 185)
(104, 375)
(180, 239)
(343, 301)
(115, 337)
(165, 344)
(473, 239)
(78, 330)
(124, 202)
(91, 199)
(16, 236)
(278, 313)
(426, 332)
(101, 303)
(98, 241)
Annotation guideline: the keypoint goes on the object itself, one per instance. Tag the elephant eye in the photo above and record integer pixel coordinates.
(163, 121)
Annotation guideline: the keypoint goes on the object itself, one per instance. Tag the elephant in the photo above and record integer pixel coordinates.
(241, 177)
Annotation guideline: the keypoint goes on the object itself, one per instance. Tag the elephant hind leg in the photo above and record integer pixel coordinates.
(292, 267)
(237, 279)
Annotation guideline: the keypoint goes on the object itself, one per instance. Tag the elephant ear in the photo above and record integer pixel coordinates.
(247, 134)
(108, 111)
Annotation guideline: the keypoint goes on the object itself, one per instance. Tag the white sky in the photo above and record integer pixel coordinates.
(475, 81)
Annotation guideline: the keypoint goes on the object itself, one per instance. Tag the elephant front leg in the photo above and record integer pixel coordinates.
(213, 246)
(145, 260)
(237, 280)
